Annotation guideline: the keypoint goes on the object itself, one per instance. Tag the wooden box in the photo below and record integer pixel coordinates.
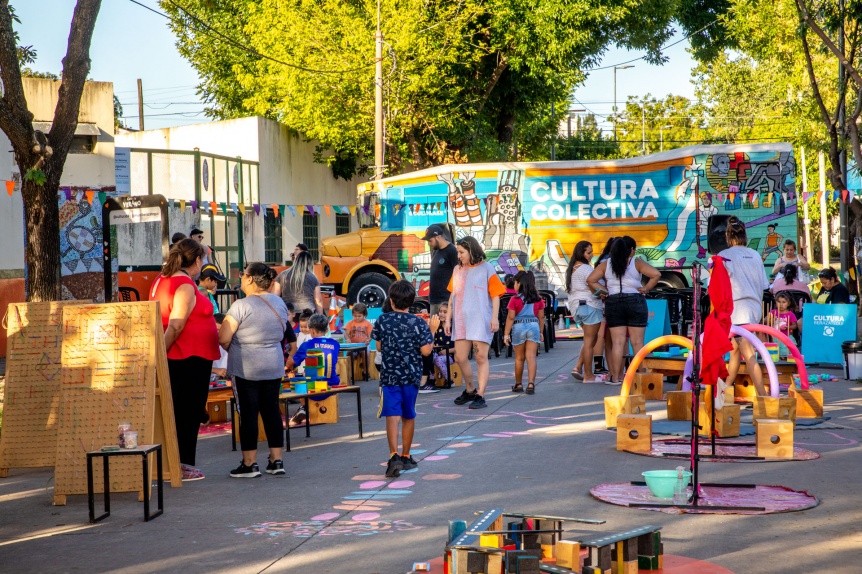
(774, 438)
(342, 369)
(679, 405)
(373, 372)
(454, 373)
(743, 387)
(617, 405)
(727, 421)
(650, 385)
(629, 567)
(217, 411)
(323, 412)
(568, 554)
(809, 404)
(634, 432)
(705, 417)
(783, 408)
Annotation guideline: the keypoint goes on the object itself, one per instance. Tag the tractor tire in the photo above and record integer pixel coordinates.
(370, 289)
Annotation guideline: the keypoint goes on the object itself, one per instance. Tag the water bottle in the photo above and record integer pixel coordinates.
(680, 494)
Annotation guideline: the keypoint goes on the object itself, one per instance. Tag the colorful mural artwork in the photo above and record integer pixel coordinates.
(81, 244)
(530, 216)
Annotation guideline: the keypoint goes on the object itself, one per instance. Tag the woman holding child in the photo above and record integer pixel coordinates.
(252, 332)
(474, 307)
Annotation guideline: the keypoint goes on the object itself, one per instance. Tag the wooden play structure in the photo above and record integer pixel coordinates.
(74, 372)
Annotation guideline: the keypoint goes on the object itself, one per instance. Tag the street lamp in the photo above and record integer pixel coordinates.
(615, 95)
(569, 118)
(661, 135)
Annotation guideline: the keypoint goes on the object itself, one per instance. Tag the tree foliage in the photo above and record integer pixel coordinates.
(471, 79)
(587, 141)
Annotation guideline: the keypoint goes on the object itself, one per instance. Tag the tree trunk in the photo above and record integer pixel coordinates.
(42, 233)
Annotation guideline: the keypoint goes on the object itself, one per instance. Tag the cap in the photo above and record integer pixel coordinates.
(211, 270)
(435, 231)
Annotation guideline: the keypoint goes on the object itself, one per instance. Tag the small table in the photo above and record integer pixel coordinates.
(349, 350)
(284, 397)
(142, 451)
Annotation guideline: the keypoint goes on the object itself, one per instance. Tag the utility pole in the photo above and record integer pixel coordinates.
(615, 95)
(824, 219)
(643, 128)
(378, 99)
(844, 234)
(806, 222)
(140, 105)
(554, 136)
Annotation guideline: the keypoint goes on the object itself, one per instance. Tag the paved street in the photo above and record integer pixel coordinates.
(532, 454)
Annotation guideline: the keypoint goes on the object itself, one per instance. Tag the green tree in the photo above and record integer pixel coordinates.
(649, 125)
(587, 141)
(473, 79)
(41, 157)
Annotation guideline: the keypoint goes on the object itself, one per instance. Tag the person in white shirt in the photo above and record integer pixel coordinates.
(747, 281)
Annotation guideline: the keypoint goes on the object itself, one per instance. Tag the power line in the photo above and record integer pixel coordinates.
(236, 44)
(662, 48)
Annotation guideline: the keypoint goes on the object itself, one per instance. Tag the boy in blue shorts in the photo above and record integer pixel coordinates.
(404, 339)
(317, 327)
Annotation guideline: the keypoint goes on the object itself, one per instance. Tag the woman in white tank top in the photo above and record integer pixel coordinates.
(625, 304)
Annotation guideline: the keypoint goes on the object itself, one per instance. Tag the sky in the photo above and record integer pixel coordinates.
(131, 42)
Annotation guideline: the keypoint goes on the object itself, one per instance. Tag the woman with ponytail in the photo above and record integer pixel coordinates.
(252, 331)
(191, 341)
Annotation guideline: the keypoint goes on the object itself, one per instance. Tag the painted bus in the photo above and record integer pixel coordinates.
(531, 215)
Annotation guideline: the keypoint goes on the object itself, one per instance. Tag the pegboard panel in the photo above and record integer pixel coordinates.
(32, 397)
(109, 359)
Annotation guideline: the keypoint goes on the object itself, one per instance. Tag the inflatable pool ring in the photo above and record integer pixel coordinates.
(789, 343)
(646, 350)
(758, 346)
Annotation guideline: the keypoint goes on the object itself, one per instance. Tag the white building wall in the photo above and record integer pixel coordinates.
(94, 170)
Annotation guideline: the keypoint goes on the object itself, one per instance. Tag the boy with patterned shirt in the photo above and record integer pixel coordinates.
(404, 339)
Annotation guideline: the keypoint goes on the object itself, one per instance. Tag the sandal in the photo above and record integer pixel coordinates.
(531, 389)
(578, 375)
(517, 388)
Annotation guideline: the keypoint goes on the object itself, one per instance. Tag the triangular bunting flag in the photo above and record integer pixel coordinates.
(213, 208)
(377, 211)
(256, 207)
(352, 210)
(328, 210)
(68, 192)
(241, 207)
(102, 197)
(90, 195)
(10, 187)
(310, 209)
(382, 209)
(282, 210)
(194, 206)
(732, 197)
(275, 209)
(300, 209)
(233, 208)
(223, 207)
(182, 205)
(337, 209)
(438, 206)
(292, 210)
(844, 194)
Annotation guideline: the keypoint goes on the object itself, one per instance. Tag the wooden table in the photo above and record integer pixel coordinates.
(284, 397)
(674, 367)
(349, 350)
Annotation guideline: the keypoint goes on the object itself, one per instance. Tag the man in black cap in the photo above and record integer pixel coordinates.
(300, 247)
(208, 283)
(444, 258)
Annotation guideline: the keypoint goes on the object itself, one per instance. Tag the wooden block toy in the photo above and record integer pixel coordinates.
(373, 371)
(491, 540)
(783, 408)
(705, 418)
(323, 412)
(774, 438)
(634, 432)
(743, 387)
(477, 562)
(727, 421)
(527, 565)
(809, 404)
(217, 411)
(617, 405)
(495, 564)
(600, 558)
(679, 405)
(342, 369)
(650, 385)
(567, 554)
(630, 567)
(454, 374)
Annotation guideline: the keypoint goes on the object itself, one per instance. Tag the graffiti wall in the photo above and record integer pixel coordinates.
(532, 215)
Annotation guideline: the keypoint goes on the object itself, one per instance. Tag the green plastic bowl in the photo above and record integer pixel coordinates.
(661, 482)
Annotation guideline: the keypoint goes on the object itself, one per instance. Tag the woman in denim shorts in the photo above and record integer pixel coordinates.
(625, 304)
(585, 307)
(524, 329)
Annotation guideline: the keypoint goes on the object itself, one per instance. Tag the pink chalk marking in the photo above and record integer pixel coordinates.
(372, 484)
(366, 516)
(368, 476)
(401, 484)
(436, 457)
(326, 516)
(459, 445)
(441, 476)
(495, 435)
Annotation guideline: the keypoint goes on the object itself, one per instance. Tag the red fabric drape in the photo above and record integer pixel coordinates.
(716, 327)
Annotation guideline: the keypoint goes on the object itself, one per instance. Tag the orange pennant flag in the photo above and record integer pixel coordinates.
(275, 209)
(377, 211)
(10, 187)
(326, 207)
(214, 207)
(90, 194)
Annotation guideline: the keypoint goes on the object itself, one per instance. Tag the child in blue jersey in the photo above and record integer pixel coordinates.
(317, 327)
(404, 339)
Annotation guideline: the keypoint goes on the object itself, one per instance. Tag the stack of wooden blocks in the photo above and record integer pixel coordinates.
(624, 552)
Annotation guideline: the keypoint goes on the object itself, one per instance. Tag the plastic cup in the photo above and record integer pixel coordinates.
(131, 439)
(121, 430)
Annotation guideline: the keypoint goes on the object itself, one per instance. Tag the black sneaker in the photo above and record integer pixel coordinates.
(428, 388)
(478, 403)
(466, 397)
(409, 463)
(298, 418)
(600, 371)
(446, 385)
(275, 467)
(243, 471)
(394, 466)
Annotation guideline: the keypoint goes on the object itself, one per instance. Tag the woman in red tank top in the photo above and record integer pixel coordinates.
(191, 340)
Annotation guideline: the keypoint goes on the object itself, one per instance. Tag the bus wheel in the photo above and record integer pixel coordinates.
(370, 289)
